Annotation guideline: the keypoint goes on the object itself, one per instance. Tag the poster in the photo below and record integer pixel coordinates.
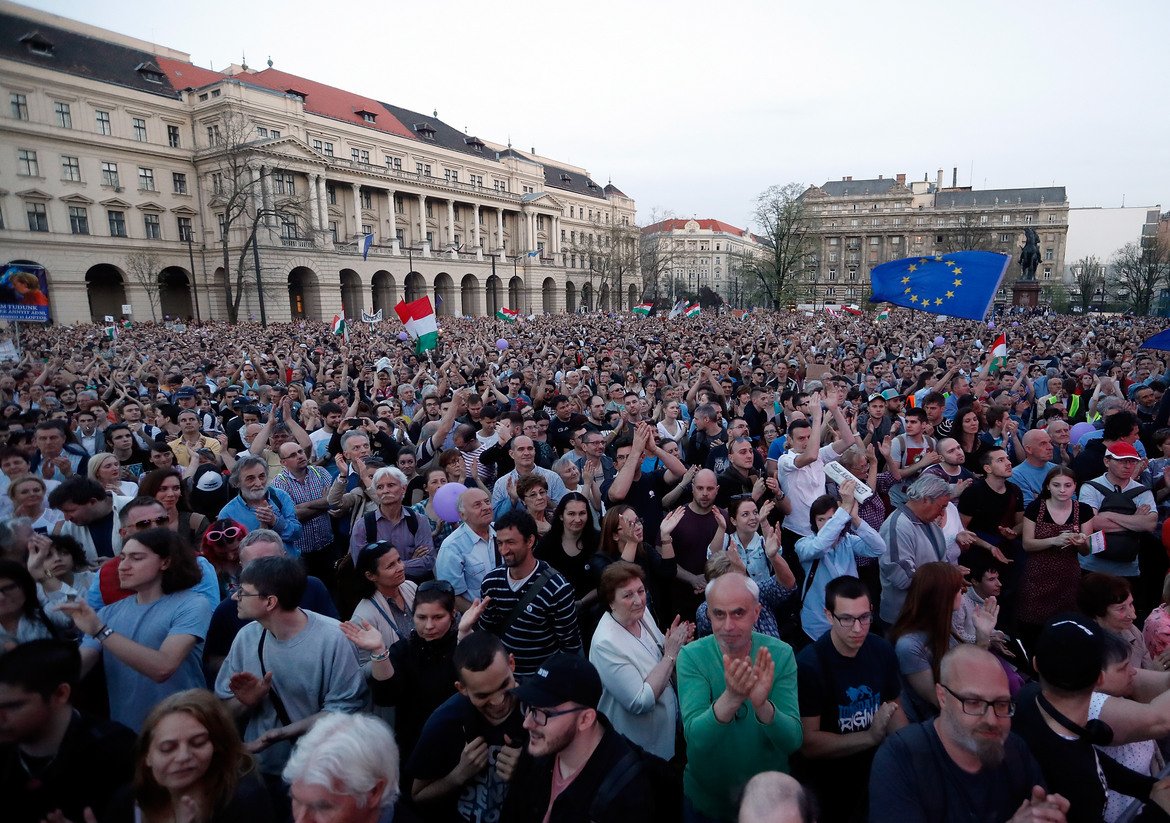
(24, 293)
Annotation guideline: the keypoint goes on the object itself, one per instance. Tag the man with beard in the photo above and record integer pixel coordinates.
(950, 466)
(259, 506)
(965, 764)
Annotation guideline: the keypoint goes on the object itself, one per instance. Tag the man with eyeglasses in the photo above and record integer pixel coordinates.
(965, 764)
(573, 751)
(308, 486)
(849, 685)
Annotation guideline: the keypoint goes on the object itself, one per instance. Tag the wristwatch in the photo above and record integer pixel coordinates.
(101, 634)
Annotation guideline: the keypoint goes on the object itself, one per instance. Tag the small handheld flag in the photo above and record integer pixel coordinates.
(678, 309)
(508, 315)
(999, 354)
(960, 284)
(339, 326)
(644, 309)
(692, 310)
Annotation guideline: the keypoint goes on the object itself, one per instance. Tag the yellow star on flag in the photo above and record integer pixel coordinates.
(938, 257)
(938, 301)
(922, 260)
(914, 298)
(907, 291)
(950, 294)
(958, 270)
(958, 282)
(907, 279)
(911, 267)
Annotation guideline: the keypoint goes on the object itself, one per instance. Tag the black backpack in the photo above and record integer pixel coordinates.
(1122, 546)
(665, 781)
(349, 585)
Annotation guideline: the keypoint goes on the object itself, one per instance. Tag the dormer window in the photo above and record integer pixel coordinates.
(475, 143)
(150, 72)
(367, 116)
(425, 130)
(38, 44)
(591, 185)
(565, 178)
(298, 94)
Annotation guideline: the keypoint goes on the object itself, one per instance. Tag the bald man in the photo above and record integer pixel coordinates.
(775, 797)
(1029, 475)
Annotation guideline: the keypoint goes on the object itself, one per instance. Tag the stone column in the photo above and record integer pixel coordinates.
(266, 195)
(314, 206)
(475, 227)
(422, 218)
(357, 209)
(393, 219)
(450, 220)
(322, 204)
(499, 228)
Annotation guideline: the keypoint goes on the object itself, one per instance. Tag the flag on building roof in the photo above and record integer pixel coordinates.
(960, 284)
(364, 245)
(419, 319)
(510, 315)
(678, 309)
(999, 354)
(644, 309)
(340, 326)
(693, 310)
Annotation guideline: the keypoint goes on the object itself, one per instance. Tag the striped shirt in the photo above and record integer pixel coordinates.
(317, 532)
(547, 626)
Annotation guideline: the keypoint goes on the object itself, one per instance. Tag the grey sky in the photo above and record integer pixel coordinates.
(696, 107)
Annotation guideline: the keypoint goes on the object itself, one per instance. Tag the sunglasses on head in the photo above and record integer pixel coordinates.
(437, 585)
(230, 533)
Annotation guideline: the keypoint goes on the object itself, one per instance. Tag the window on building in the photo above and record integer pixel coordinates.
(221, 218)
(214, 137)
(26, 162)
(393, 164)
(430, 238)
(38, 217)
(500, 185)
(328, 149)
(364, 157)
(70, 168)
(423, 169)
(1052, 218)
(185, 230)
(331, 194)
(117, 221)
(102, 120)
(353, 154)
(19, 106)
(145, 179)
(1047, 273)
(475, 180)
(262, 132)
(153, 226)
(833, 241)
(179, 182)
(1028, 218)
(1004, 237)
(854, 222)
(451, 175)
(832, 275)
(1007, 218)
(831, 291)
(283, 182)
(369, 229)
(430, 210)
(401, 235)
(173, 137)
(110, 174)
(333, 230)
(78, 220)
(833, 257)
(288, 228)
(140, 129)
(1049, 254)
(203, 97)
(367, 199)
(875, 241)
(63, 114)
(214, 93)
(217, 182)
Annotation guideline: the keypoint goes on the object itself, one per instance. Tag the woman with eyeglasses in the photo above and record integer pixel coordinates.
(221, 547)
(622, 539)
(387, 596)
(924, 632)
(416, 673)
(166, 486)
(532, 490)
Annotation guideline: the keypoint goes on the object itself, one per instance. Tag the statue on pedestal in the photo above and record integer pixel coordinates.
(1029, 254)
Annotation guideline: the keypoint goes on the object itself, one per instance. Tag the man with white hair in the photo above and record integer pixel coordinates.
(397, 525)
(345, 770)
(754, 721)
(912, 538)
(258, 505)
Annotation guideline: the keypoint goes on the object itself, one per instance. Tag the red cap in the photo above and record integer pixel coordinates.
(1120, 450)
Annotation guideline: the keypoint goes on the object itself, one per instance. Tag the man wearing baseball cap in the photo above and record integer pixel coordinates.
(1053, 718)
(1124, 509)
(574, 749)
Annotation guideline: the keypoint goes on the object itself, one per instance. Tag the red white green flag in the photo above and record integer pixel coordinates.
(419, 319)
(510, 315)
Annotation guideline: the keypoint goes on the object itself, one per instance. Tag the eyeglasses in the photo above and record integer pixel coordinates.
(977, 707)
(230, 533)
(744, 496)
(540, 717)
(240, 594)
(850, 620)
(437, 585)
(142, 525)
(633, 521)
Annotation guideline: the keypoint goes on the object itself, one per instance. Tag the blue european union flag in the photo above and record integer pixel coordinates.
(1160, 341)
(960, 284)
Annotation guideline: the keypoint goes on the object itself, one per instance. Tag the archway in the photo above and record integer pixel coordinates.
(549, 295)
(444, 295)
(587, 297)
(469, 291)
(304, 294)
(385, 293)
(631, 297)
(174, 293)
(415, 287)
(516, 295)
(106, 289)
(603, 297)
(570, 298)
(351, 295)
(493, 295)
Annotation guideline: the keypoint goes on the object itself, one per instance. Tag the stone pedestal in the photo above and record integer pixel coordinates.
(1026, 293)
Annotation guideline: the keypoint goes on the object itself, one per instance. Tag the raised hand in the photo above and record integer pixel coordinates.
(763, 674)
(471, 617)
(671, 521)
(364, 636)
(250, 689)
(985, 617)
(739, 677)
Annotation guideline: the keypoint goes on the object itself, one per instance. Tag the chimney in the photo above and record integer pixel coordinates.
(955, 177)
(849, 179)
(940, 179)
(534, 149)
(881, 177)
(901, 179)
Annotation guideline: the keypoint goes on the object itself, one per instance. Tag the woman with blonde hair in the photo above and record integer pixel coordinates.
(106, 469)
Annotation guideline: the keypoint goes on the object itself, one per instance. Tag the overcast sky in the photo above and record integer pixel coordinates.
(694, 108)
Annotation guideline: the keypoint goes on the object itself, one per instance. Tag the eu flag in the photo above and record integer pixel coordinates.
(960, 284)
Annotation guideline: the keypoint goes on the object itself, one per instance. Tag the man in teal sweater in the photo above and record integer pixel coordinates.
(737, 692)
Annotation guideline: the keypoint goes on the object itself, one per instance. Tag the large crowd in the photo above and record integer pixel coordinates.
(781, 566)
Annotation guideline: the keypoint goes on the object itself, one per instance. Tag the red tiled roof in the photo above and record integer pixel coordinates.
(705, 225)
(332, 102)
(186, 75)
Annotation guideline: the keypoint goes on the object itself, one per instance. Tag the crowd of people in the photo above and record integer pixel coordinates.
(774, 567)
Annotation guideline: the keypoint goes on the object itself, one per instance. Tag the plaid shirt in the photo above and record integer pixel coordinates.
(316, 533)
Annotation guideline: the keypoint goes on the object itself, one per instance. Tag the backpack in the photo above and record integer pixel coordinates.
(349, 585)
(1122, 546)
(665, 781)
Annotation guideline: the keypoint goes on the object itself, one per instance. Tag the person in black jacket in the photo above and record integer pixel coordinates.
(568, 734)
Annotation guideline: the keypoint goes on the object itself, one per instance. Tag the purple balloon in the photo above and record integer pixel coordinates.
(403, 336)
(447, 501)
(1079, 430)
(1015, 323)
(991, 324)
(939, 341)
(501, 344)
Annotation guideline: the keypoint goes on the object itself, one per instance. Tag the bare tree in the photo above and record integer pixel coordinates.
(657, 258)
(143, 267)
(785, 228)
(611, 251)
(966, 233)
(1088, 276)
(1142, 268)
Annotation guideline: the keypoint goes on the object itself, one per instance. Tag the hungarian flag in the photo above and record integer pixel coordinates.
(510, 315)
(999, 354)
(852, 309)
(644, 309)
(111, 332)
(419, 319)
(883, 315)
(340, 327)
(692, 310)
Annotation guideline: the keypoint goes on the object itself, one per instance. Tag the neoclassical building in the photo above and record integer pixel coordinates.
(115, 153)
(703, 252)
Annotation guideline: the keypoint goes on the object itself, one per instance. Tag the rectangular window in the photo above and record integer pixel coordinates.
(217, 182)
(261, 132)
(78, 220)
(179, 181)
(875, 241)
(110, 174)
(317, 146)
(1047, 273)
(423, 169)
(1048, 254)
(1028, 218)
(102, 119)
(353, 154)
(63, 114)
(500, 185)
(367, 200)
(153, 226)
(364, 157)
(173, 137)
(333, 229)
(430, 211)
(38, 217)
(833, 241)
(223, 224)
(117, 220)
(1007, 218)
(70, 168)
(19, 106)
(401, 235)
(896, 241)
(139, 129)
(475, 180)
(1052, 218)
(367, 229)
(1004, 237)
(288, 228)
(451, 175)
(331, 194)
(328, 149)
(430, 238)
(284, 183)
(214, 138)
(26, 161)
(145, 179)
(393, 164)
(273, 133)
(185, 230)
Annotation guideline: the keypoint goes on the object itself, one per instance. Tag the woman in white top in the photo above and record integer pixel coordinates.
(28, 494)
(636, 662)
(671, 427)
(105, 468)
(389, 597)
(758, 554)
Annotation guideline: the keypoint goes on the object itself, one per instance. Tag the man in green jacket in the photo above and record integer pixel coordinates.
(737, 692)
